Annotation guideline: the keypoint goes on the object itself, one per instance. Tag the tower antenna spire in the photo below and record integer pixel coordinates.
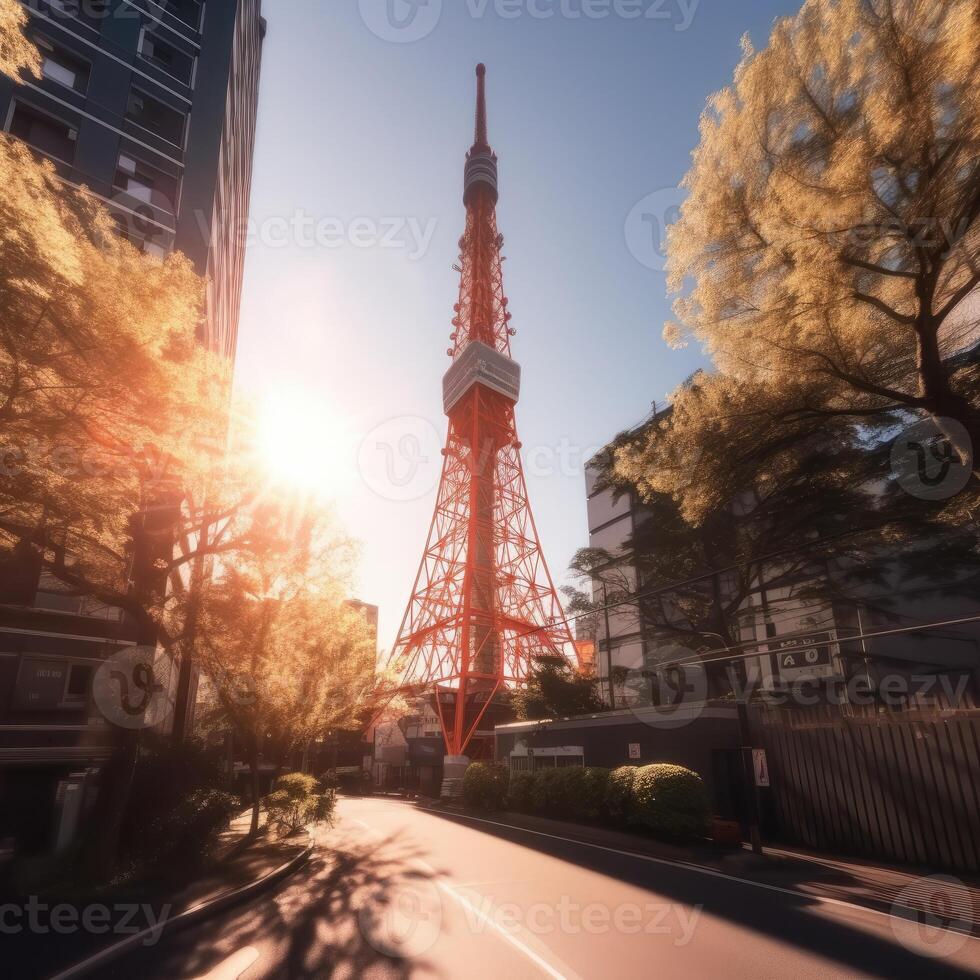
(480, 140)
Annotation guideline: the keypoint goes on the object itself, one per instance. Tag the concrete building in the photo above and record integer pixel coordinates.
(151, 107)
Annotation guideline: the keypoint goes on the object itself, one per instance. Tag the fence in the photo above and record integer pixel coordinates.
(895, 786)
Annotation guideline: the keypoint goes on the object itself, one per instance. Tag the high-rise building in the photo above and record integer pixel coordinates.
(152, 107)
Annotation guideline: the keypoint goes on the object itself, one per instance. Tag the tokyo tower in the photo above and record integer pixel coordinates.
(484, 604)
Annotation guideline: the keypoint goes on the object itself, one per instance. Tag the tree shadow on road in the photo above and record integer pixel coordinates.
(354, 910)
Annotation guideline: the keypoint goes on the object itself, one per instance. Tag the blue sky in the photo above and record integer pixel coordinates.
(357, 210)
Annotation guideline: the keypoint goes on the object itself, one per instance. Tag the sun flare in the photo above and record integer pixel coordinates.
(302, 444)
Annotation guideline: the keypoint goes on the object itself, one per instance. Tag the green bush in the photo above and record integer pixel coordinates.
(177, 807)
(549, 794)
(520, 791)
(297, 801)
(591, 803)
(619, 793)
(485, 785)
(670, 800)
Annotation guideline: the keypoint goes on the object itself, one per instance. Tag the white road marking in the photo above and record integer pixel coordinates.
(447, 889)
(699, 869)
(508, 936)
(233, 967)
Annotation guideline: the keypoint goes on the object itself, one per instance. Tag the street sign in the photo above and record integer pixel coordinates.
(634, 750)
(804, 656)
(761, 767)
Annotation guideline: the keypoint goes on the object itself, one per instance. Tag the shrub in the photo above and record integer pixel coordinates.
(619, 793)
(298, 801)
(177, 806)
(548, 792)
(520, 791)
(485, 785)
(670, 800)
(591, 803)
(194, 824)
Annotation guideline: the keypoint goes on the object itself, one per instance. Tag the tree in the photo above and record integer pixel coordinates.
(806, 516)
(286, 660)
(112, 413)
(555, 690)
(16, 52)
(829, 242)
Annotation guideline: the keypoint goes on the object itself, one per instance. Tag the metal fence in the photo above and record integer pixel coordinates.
(900, 786)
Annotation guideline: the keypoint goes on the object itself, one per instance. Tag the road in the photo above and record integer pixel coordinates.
(400, 892)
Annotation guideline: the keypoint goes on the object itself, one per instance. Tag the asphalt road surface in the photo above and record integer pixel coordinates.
(399, 892)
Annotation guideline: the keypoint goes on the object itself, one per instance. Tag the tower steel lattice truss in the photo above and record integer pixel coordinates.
(484, 604)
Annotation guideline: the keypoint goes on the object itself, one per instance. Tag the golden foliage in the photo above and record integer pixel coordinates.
(16, 52)
(832, 228)
(106, 398)
(284, 655)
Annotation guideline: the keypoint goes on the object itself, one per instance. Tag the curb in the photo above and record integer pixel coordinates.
(189, 917)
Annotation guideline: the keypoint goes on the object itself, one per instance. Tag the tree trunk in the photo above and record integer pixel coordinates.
(115, 802)
(944, 403)
(253, 763)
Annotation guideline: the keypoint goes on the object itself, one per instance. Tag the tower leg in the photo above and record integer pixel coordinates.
(453, 767)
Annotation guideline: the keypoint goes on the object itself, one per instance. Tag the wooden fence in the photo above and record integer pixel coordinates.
(898, 787)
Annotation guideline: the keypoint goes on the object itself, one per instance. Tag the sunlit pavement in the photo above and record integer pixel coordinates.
(401, 892)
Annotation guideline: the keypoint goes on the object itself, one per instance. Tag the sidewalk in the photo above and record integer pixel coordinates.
(884, 888)
(236, 863)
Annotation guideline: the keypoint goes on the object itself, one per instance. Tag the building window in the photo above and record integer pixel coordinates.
(166, 57)
(150, 239)
(79, 684)
(90, 12)
(50, 136)
(62, 66)
(54, 596)
(189, 11)
(156, 116)
(146, 184)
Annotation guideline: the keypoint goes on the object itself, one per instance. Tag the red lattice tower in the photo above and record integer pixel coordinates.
(484, 604)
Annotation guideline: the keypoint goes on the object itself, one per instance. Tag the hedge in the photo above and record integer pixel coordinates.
(619, 793)
(670, 800)
(485, 785)
(519, 793)
(665, 799)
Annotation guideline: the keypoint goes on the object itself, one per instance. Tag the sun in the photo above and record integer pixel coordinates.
(302, 443)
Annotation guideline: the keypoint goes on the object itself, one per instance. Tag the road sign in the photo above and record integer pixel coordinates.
(761, 767)
(804, 656)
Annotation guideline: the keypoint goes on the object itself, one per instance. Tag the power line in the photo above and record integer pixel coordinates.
(920, 627)
(674, 586)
